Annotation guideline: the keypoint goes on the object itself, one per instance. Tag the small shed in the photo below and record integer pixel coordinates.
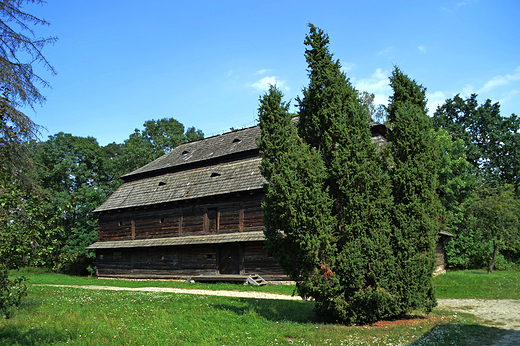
(439, 252)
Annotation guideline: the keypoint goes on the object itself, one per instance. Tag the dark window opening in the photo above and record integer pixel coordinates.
(161, 183)
(184, 152)
(212, 214)
(162, 221)
(209, 256)
(236, 140)
(214, 174)
(120, 223)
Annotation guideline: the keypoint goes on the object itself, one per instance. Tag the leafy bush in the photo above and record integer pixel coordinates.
(11, 292)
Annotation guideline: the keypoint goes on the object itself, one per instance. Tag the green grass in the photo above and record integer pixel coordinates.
(43, 277)
(60, 315)
(453, 284)
(478, 284)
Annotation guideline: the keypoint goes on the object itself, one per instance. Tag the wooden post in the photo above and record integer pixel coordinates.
(241, 218)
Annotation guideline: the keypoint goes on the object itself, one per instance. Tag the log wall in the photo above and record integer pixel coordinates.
(223, 214)
(211, 216)
(180, 262)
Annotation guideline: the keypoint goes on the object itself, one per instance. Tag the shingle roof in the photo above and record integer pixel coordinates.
(178, 175)
(195, 183)
(187, 240)
(212, 147)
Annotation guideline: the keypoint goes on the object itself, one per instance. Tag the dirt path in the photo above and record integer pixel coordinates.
(258, 295)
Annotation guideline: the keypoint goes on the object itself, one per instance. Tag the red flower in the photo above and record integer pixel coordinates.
(328, 273)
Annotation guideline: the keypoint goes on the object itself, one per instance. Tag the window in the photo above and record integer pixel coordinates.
(212, 220)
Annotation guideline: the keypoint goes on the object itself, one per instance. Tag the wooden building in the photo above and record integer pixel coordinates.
(195, 211)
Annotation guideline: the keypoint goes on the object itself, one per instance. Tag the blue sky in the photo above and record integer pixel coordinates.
(206, 63)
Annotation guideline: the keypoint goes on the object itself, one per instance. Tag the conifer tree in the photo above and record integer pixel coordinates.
(333, 159)
(417, 208)
(297, 208)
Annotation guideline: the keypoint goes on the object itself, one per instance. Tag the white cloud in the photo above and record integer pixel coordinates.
(437, 99)
(501, 80)
(465, 2)
(349, 66)
(264, 83)
(422, 48)
(385, 51)
(467, 90)
(508, 96)
(377, 84)
(380, 74)
(260, 72)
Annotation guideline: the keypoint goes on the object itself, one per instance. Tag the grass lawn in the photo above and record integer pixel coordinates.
(59, 315)
(55, 315)
(478, 284)
(454, 284)
(40, 276)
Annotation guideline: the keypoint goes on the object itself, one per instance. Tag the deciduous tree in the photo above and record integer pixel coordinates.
(492, 141)
(75, 173)
(20, 212)
(492, 146)
(157, 138)
(497, 213)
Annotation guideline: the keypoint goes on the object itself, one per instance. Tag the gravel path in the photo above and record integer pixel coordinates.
(503, 313)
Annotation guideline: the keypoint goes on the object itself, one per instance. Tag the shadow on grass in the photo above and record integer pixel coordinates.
(273, 310)
(468, 334)
(13, 335)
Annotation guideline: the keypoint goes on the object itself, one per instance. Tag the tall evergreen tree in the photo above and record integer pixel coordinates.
(350, 279)
(297, 207)
(417, 208)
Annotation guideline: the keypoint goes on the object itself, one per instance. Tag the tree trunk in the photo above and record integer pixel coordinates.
(495, 250)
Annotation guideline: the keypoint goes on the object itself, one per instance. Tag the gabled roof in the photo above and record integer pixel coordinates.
(213, 147)
(195, 183)
(216, 165)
